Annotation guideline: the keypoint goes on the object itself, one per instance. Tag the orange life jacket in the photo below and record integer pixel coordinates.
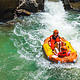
(54, 41)
(61, 54)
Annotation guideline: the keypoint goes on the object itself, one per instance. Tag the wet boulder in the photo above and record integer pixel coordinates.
(40, 4)
(7, 8)
(11, 8)
(54, 0)
(75, 5)
(27, 6)
(73, 1)
(71, 4)
(32, 5)
(66, 4)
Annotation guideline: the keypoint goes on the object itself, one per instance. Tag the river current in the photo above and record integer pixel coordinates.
(21, 55)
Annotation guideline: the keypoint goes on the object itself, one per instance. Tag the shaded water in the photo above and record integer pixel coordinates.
(21, 48)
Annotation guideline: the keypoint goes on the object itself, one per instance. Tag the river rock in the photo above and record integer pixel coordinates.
(32, 5)
(21, 7)
(29, 5)
(66, 4)
(54, 0)
(40, 4)
(7, 8)
(75, 5)
(72, 4)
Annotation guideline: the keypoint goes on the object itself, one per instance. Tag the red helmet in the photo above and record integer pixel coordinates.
(56, 31)
(64, 48)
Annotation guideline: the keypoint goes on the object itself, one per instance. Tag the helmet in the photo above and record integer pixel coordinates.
(56, 31)
(64, 48)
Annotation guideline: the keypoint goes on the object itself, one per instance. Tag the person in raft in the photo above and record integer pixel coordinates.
(55, 39)
(63, 52)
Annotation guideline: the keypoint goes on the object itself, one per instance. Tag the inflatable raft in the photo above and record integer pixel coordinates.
(54, 58)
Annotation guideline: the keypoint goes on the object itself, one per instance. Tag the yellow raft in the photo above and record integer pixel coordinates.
(52, 57)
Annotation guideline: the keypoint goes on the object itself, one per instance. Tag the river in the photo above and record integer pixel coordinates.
(21, 55)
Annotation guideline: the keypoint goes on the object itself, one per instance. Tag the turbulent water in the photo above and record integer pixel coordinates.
(21, 56)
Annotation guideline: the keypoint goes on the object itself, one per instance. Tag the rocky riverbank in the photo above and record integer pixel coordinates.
(13, 8)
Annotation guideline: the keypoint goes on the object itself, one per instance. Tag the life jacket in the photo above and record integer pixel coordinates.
(62, 54)
(53, 40)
